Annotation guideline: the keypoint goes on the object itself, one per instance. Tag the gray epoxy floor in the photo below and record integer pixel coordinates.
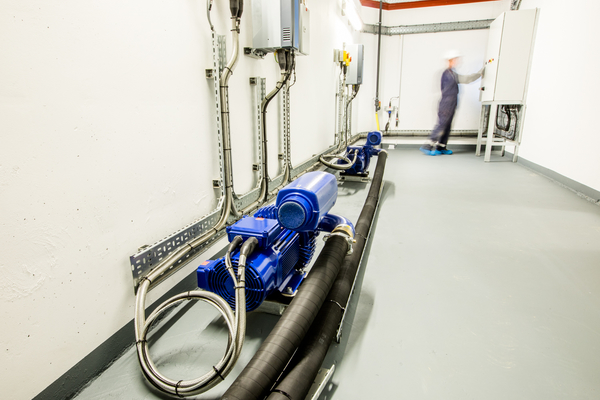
(482, 281)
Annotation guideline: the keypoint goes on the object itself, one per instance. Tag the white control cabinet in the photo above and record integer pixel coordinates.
(508, 61)
(508, 57)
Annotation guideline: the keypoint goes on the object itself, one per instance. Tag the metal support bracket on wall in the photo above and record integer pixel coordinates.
(254, 53)
(341, 97)
(287, 145)
(428, 28)
(148, 257)
(349, 119)
(259, 87)
(284, 120)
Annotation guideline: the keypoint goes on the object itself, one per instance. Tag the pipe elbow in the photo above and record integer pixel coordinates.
(332, 221)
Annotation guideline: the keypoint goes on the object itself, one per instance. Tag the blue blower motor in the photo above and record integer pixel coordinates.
(363, 155)
(286, 234)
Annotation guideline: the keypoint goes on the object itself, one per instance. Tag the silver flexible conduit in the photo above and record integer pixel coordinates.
(355, 89)
(265, 195)
(209, 5)
(236, 324)
(263, 111)
(226, 129)
(340, 167)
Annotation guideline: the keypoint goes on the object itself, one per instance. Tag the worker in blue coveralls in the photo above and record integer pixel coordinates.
(450, 80)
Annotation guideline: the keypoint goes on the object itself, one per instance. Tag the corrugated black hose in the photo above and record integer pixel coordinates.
(299, 375)
(259, 376)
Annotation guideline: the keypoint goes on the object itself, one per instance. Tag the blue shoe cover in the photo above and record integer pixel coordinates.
(445, 151)
(430, 152)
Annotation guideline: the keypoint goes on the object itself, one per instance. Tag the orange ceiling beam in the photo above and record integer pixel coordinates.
(417, 4)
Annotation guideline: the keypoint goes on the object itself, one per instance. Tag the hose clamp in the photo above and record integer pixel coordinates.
(344, 233)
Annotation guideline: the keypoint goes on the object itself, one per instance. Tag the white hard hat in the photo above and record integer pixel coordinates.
(450, 54)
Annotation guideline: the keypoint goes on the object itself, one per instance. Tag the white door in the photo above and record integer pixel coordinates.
(488, 83)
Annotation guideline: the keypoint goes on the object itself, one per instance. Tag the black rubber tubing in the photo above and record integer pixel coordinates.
(259, 376)
(299, 375)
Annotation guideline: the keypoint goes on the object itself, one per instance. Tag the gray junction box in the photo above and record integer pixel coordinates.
(280, 24)
(355, 69)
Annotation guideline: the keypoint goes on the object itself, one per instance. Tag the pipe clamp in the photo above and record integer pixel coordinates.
(344, 235)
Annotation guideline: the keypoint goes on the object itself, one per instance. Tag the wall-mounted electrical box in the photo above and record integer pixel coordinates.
(280, 24)
(304, 29)
(508, 57)
(355, 69)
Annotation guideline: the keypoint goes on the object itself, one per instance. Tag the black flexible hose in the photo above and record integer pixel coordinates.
(262, 371)
(299, 375)
(506, 110)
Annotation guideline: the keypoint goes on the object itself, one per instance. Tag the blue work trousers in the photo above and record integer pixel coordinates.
(441, 132)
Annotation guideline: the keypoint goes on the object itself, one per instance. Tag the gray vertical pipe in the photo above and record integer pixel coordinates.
(377, 107)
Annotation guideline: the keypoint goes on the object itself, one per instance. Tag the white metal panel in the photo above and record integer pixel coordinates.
(422, 65)
(488, 83)
(266, 24)
(304, 30)
(515, 51)
(355, 70)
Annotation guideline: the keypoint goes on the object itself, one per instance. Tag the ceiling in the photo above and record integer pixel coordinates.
(405, 4)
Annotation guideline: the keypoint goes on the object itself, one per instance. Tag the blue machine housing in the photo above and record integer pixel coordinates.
(281, 255)
(303, 203)
(275, 266)
(363, 154)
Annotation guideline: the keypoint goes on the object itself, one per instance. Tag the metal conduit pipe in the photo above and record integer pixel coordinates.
(262, 371)
(263, 117)
(299, 375)
(377, 107)
(355, 89)
(141, 323)
(284, 181)
(209, 5)
(264, 194)
(340, 167)
(225, 122)
(226, 129)
(286, 72)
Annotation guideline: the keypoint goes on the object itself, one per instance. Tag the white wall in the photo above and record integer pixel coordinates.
(561, 130)
(420, 57)
(108, 143)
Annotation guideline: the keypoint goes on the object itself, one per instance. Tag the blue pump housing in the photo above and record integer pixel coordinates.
(303, 203)
(277, 263)
(374, 138)
(363, 154)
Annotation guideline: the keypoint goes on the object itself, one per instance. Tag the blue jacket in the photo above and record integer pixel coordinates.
(449, 88)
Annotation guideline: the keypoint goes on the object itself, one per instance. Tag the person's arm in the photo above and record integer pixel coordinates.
(470, 78)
